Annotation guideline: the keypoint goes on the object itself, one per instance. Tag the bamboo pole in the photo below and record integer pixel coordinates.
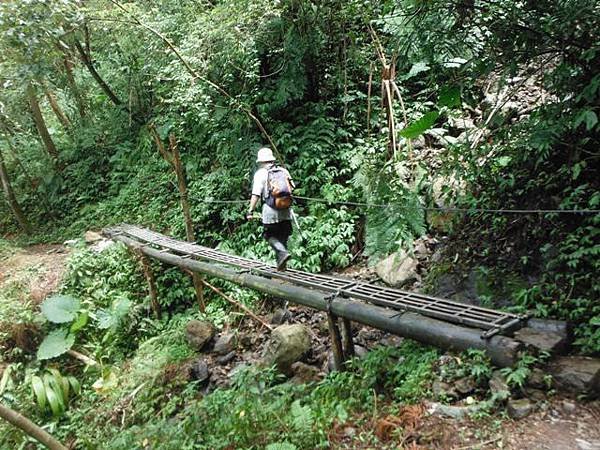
(502, 350)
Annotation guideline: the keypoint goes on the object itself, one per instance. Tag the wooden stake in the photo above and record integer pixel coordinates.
(149, 275)
(173, 157)
(336, 341)
(369, 89)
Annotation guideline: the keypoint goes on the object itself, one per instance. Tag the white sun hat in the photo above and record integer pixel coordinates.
(265, 154)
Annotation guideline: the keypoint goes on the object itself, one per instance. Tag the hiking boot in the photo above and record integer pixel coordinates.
(282, 260)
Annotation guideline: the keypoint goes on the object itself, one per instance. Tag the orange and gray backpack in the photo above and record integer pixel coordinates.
(279, 188)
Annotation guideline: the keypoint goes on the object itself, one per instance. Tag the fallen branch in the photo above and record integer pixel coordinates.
(30, 428)
(83, 358)
(237, 304)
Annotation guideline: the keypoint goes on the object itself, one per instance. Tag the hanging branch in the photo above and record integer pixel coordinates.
(58, 112)
(40, 123)
(389, 90)
(197, 75)
(12, 199)
(71, 82)
(370, 87)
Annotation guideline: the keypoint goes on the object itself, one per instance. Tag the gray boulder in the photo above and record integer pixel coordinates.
(304, 373)
(541, 340)
(288, 344)
(455, 412)
(225, 359)
(519, 408)
(498, 385)
(397, 269)
(199, 371)
(198, 333)
(576, 373)
(225, 343)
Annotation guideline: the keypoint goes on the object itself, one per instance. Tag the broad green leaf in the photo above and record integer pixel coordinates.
(56, 404)
(417, 128)
(75, 385)
(591, 119)
(449, 97)
(503, 161)
(60, 385)
(112, 318)
(281, 446)
(416, 69)
(60, 308)
(55, 344)
(588, 117)
(37, 386)
(80, 322)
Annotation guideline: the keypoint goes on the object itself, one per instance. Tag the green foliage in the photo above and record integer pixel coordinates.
(112, 318)
(60, 308)
(419, 127)
(53, 391)
(258, 410)
(517, 376)
(56, 343)
(471, 363)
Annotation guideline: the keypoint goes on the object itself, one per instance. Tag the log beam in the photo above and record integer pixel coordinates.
(502, 350)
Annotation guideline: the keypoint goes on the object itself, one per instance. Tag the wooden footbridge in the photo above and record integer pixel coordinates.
(436, 321)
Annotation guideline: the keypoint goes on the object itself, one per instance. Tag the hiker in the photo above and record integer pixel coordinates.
(273, 185)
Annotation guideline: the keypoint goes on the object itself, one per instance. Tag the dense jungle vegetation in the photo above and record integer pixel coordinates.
(420, 105)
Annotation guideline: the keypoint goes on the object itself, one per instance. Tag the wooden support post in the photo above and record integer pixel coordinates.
(149, 275)
(336, 341)
(347, 338)
(173, 157)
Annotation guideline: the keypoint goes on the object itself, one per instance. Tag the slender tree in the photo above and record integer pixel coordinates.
(73, 86)
(11, 198)
(173, 157)
(40, 123)
(60, 115)
(87, 60)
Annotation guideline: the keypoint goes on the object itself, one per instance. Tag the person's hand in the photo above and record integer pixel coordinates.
(249, 216)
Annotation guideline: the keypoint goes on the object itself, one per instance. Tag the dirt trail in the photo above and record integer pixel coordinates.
(38, 269)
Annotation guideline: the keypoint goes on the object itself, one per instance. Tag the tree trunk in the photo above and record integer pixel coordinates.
(73, 86)
(40, 124)
(30, 428)
(11, 199)
(43, 197)
(60, 115)
(185, 207)
(85, 58)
